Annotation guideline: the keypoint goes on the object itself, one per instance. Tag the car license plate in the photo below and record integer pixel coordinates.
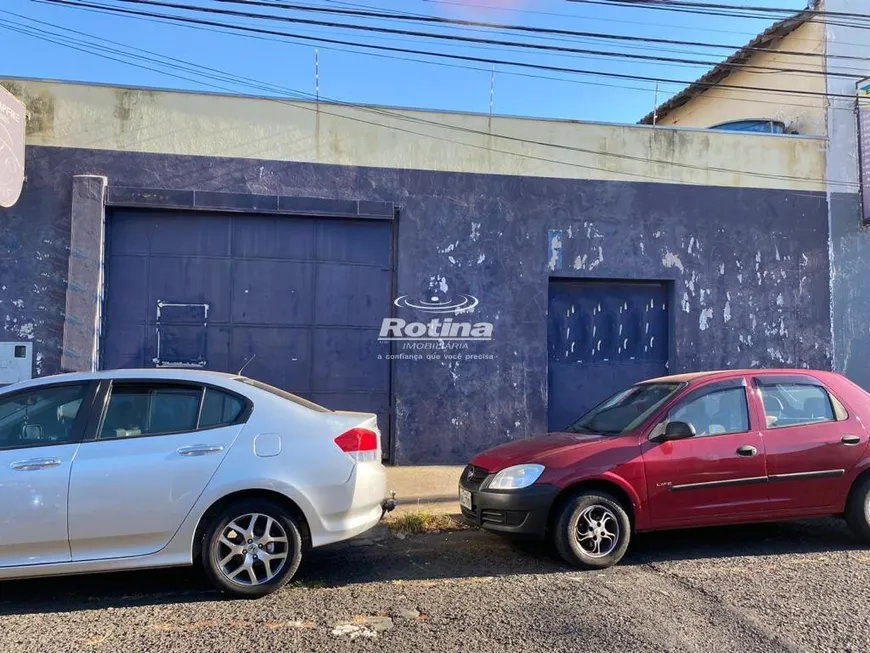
(465, 499)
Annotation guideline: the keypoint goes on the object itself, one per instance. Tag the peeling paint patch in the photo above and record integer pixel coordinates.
(779, 300)
(704, 320)
(594, 264)
(475, 231)
(580, 262)
(685, 303)
(670, 260)
(554, 247)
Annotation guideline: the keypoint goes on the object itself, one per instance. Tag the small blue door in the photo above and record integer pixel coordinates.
(602, 336)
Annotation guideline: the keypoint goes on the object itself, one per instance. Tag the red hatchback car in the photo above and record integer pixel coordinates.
(681, 451)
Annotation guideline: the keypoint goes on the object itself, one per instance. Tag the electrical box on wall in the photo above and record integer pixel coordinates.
(16, 362)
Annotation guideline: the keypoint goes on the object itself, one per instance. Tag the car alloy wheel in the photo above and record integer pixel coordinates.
(591, 530)
(597, 531)
(251, 548)
(858, 509)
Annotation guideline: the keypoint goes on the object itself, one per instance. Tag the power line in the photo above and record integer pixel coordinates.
(732, 12)
(735, 95)
(444, 125)
(537, 31)
(482, 41)
(444, 55)
(712, 5)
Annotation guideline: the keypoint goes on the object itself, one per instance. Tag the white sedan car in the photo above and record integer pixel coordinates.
(135, 469)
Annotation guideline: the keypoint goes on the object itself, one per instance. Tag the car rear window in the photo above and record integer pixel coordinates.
(278, 392)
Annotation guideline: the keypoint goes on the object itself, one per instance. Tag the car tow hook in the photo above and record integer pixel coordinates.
(388, 505)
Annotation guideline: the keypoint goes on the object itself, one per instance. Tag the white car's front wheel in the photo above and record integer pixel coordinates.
(252, 548)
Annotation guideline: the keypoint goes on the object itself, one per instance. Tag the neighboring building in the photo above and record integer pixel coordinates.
(840, 50)
(169, 228)
(724, 97)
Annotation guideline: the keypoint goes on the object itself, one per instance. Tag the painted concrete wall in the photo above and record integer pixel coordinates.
(748, 266)
(850, 241)
(101, 117)
(803, 113)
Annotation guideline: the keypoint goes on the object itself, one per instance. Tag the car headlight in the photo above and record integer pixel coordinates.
(516, 477)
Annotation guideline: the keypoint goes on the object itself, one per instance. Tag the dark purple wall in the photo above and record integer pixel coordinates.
(749, 270)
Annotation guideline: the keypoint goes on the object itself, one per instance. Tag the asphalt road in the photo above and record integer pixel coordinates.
(785, 587)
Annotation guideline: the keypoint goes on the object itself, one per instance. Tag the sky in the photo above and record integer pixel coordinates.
(285, 66)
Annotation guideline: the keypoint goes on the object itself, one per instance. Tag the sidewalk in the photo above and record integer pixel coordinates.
(430, 488)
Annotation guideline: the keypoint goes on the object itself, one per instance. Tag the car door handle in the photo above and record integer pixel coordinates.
(33, 464)
(747, 450)
(198, 450)
(850, 440)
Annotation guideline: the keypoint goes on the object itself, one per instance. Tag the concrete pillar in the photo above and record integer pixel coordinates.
(84, 294)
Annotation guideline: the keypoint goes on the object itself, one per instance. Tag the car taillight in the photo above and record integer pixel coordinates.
(359, 443)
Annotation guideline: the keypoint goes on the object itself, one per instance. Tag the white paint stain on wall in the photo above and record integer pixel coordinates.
(555, 249)
(580, 262)
(594, 264)
(671, 260)
(685, 302)
(779, 300)
(726, 313)
(475, 231)
(704, 320)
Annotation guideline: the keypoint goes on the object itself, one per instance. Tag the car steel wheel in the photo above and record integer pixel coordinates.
(252, 549)
(597, 531)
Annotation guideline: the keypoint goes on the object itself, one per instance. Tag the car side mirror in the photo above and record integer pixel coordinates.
(678, 431)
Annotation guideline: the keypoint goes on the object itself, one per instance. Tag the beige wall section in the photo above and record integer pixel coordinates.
(103, 117)
(806, 114)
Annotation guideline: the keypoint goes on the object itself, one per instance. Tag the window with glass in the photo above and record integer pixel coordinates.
(220, 409)
(145, 409)
(39, 417)
(794, 404)
(626, 410)
(715, 413)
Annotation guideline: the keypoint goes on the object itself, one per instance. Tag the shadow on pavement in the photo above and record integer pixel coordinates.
(459, 557)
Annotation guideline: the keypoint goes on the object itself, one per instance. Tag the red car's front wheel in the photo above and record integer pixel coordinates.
(592, 530)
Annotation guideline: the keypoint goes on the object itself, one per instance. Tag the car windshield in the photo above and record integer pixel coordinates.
(625, 410)
(278, 392)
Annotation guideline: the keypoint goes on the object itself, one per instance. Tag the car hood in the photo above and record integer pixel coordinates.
(540, 449)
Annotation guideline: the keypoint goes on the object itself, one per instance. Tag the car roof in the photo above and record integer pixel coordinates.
(168, 374)
(691, 377)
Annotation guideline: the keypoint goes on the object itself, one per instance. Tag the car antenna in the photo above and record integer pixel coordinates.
(242, 369)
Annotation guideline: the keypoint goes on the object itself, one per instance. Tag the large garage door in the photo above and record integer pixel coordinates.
(300, 300)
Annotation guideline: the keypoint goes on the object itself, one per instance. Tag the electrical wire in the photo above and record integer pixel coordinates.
(734, 95)
(733, 13)
(469, 58)
(713, 5)
(537, 31)
(443, 125)
(482, 41)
